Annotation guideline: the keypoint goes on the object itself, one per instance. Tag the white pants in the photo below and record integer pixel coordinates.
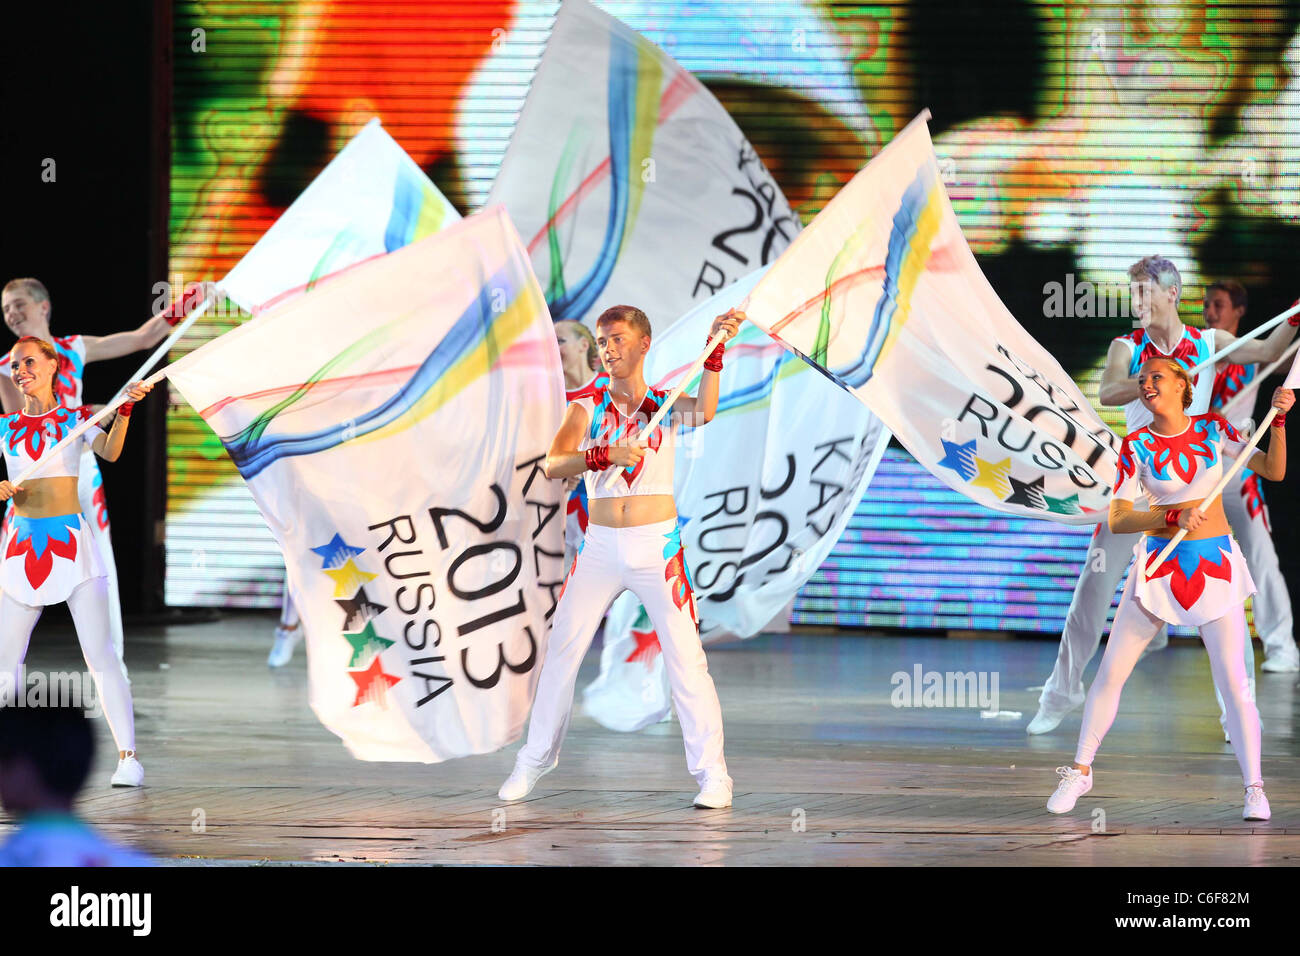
(89, 482)
(89, 605)
(1272, 604)
(1109, 556)
(610, 561)
(1133, 628)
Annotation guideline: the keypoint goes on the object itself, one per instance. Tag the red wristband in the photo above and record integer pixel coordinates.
(1279, 421)
(714, 362)
(597, 457)
(124, 410)
(1171, 517)
(1294, 319)
(183, 306)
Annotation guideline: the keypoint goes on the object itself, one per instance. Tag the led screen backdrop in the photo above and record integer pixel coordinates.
(1074, 138)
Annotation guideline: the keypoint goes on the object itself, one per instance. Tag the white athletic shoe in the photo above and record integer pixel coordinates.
(1044, 722)
(522, 780)
(1074, 784)
(286, 640)
(1256, 805)
(714, 795)
(129, 772)
(1284, 660)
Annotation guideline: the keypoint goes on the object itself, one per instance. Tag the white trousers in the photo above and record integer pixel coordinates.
(89, 605)
(1109, 556)
(610, 561)
(90, 481)
(1272, 603)
(1133, 628)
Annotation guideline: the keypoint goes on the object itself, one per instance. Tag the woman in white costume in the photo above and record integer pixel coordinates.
(49, 555)
(1175, 462)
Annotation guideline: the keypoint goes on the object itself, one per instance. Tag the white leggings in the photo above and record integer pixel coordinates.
(610, 561)
(1223, 638)
(288, 611)
(89, 605)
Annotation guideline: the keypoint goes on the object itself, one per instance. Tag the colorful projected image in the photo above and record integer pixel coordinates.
(1102, 132)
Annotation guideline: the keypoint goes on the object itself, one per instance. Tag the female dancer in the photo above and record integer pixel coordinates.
(632, 543)
(580, 362)
(1176, 461)
(27, 311)
(49, 555)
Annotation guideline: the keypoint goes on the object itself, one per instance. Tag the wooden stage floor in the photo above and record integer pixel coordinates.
(827, 770)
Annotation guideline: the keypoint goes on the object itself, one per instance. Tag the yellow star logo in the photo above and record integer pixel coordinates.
(993, 476)
(348, 578)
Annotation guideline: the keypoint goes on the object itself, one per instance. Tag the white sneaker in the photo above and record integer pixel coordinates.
(522, 780)
(1044, 722)
(714, 795)
(129, 772)
(1074, 784)
(282, 650)
(1256, 805)
(1283, 660)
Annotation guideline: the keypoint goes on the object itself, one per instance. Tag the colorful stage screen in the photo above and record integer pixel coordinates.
(1073, 138)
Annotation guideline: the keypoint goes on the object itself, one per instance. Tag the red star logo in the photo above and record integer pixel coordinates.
(373, 684)
(647, 646)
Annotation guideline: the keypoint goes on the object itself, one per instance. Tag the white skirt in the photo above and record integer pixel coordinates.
(1200, 582)
(46, 558)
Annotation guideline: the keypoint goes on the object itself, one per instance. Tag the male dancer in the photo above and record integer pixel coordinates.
(632, 542)
(27, 311)
(1155, 286)
(1243, 499)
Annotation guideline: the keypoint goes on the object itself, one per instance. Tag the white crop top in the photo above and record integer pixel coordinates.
(1195, 346)
(27, 437)
(1173, 468)
(653, 475)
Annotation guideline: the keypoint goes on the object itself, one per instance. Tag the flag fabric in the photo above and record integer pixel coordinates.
(629, 181)
(371, 199)
(1292, 379)
(763, 493)
(883, 294)
(391, 425)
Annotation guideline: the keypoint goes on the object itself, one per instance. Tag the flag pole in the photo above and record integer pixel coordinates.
(1218, 490)
(167, 344)
(1229, 410)
(714, 341)
(77, 432)
(1243, 339)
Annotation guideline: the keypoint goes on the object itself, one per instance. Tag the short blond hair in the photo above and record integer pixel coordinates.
(629, 314)
(33, 287)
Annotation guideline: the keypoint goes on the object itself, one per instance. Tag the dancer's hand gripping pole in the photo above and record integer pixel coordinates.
(1246, 453)
(80, 429)
(714, 341)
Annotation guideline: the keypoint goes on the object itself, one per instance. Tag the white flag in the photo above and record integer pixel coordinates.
(629, 181)
(882, 292)
(370, 200)
(391, 425)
